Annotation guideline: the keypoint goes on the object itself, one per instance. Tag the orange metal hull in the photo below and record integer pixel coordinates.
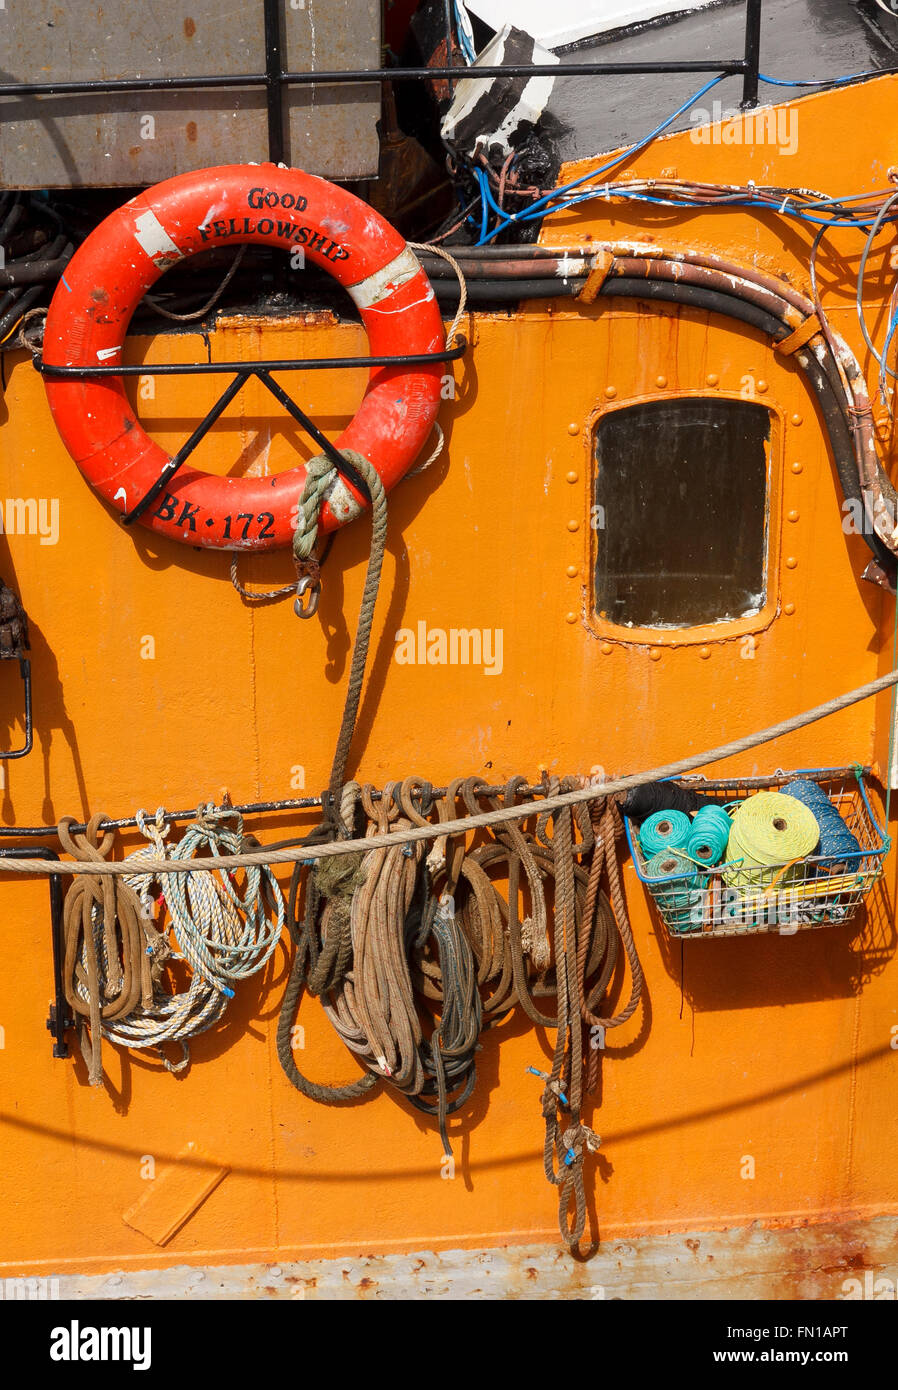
(777, 1049)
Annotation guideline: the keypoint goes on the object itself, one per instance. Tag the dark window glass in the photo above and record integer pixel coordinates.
(681, 512)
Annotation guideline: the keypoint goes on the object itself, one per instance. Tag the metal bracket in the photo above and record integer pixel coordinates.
(25, 668)
(242, 372)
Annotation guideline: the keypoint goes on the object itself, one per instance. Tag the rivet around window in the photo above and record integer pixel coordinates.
(762, 385)
(570, 617)
(789, 608)
(606, 649)
(661, 382)
(797, 467)
(572, 476)
(791, 563)
(704, 653)
(572, 571)
(573, 428)
(611, 392)
(712, 378)
(793, 515)
(655, 654)
(573, 525)
(796, 419)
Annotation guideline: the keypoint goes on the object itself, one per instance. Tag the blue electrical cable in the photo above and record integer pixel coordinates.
(557, 200)
(464, 42)
(619, 159)
(822, 81)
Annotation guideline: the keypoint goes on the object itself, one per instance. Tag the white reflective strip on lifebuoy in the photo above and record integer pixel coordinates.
(152, 237)
(383, 283)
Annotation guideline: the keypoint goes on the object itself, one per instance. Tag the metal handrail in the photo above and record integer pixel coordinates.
(276, 77)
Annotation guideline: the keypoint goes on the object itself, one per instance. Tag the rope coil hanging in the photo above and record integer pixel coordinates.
(113, 945)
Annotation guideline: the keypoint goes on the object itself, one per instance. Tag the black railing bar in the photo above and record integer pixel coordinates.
(306, 803)
(752, 53)
(343, 465)
(447, 21)
(299, 364)
(187, 448)
(478, 73)
(733, 66)
(313, 803)
(274, 79)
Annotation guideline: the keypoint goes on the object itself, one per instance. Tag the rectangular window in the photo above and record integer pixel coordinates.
(680, 512)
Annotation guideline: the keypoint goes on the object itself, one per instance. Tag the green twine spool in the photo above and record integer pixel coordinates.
(678, 899)
(709, 836)
(769, 830)
(665, 830)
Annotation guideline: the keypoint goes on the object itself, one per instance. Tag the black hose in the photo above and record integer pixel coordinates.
(11, 220)
(27, 298)
(823, 380)
(35, 272)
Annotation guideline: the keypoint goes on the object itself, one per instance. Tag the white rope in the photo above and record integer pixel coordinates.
(223, 936)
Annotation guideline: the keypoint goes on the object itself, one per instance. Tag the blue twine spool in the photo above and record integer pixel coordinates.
(665, 830)
(709, 836)
(676, 900)
(835, 837)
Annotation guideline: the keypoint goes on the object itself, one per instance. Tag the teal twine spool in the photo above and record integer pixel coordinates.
(665, 830)
(709, 836)
(676, 900)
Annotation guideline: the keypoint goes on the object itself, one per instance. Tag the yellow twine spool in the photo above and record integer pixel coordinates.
(769, 830)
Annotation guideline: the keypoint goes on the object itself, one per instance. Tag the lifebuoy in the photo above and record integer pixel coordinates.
(124, 256)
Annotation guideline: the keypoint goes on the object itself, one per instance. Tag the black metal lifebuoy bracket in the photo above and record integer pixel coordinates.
(242, 373)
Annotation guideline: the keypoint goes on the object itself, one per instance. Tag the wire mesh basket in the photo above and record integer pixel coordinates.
(731, 899)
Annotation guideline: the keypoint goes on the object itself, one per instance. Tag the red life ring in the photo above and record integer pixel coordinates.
(125, 255)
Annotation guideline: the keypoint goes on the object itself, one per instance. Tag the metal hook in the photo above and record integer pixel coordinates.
(306, 586)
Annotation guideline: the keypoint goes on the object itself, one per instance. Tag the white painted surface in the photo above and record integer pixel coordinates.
(529, 106)
(809, 1262)
(567, 21)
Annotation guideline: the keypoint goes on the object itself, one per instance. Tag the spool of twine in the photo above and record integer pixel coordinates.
(709, 836)
(769, 830)
(836, 840)
(677, 900)
(665, 830)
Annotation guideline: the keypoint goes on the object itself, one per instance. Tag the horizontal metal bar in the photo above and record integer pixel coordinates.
(289, 79)
(250, 808)
(478, 73)
(300, 364)
(312, 803)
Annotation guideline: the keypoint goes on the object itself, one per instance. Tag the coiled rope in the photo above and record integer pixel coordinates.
(106, 967)
(222, 935)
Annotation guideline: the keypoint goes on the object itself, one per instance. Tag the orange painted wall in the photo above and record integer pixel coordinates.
(777, 1048)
